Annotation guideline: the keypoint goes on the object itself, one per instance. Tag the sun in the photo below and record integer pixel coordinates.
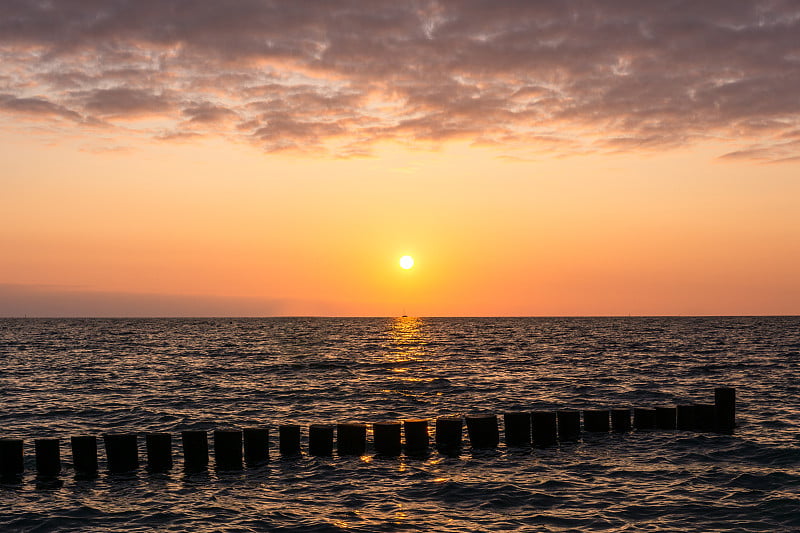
(406, 262)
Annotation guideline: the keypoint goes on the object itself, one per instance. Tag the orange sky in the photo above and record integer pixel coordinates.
(660, 180)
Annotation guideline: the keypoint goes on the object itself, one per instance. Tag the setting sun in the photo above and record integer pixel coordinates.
(406, 262)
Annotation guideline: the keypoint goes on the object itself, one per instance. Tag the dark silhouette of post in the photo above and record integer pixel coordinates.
(666, 417)
(320, 440)
(228, 449)
(12, 460)
(289, 440)
(48, 457)
(517, 426)
(351, 438)
(256, 445)
(122, 452)
(84, 455)
(705, 418)
(386, 437)
(685, 417)
(725, 405)
(621, 420)
(417, 438)
(449, 432)
(596, 420)
(195, 450)
(569, 425)
(159, 451)
(483, 431)
(644, 418)
(544, 428)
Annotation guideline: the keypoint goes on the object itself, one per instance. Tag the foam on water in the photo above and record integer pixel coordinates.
(68, 377)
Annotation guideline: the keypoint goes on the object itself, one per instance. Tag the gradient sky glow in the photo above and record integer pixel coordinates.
(535, 158)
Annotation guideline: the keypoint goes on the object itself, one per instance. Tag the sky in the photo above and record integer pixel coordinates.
(536, 158)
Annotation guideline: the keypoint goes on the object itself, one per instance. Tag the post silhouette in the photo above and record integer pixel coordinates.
(289, 440)
(483, 431)
(517, 427)
(544, 428)
(666, 417)
(644, 418)
(256, 445)
(596, 420)
(621, 420)
(569, 425)
(48, 457)
(449, 433)
(416, 437)
(386, 438)
(228, 449)
(84, 455)
(195, 450)
(725, 405)
(12, 460)
(351, 438)
(159, 451)
(122, 452)
(320, 440)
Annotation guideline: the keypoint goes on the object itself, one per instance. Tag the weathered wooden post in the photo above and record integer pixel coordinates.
(666, 417)
(228, 449)
(621, 420)
(569, 425)
(449, 432)
(386, 437)
(544, 428)
(159, 451)
(517, 426)
(256, 445)
(483, 431)
(84, 455)
(417, 438)
(596, 420)
(12, 460)
(122, 452)
(725, 405)
(351, 438)
(48, 457)
(320, 440)
(195, 450)
(644, 418)
(685, 417)
(289, 440)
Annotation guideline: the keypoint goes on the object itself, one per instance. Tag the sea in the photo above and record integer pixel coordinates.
(65, 377)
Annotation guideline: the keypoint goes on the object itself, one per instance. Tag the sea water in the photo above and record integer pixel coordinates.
(63, 377)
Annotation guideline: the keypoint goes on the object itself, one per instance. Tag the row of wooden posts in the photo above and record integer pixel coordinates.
(235, 447)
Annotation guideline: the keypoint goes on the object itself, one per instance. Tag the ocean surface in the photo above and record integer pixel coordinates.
(63, 377)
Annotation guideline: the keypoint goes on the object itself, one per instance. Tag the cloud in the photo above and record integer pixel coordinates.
(596, 75)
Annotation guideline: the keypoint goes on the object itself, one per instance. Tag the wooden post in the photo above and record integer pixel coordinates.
(449, 432)
(621, 420)
(195, 450)
(725, 405)
(417, 438)
(685, 417)
(320, 440)
(386, 437)
(256, 445)
(12, 460)
(351, 438)
(569, 425)
(84, 455)
(517, 428)
(159, 451)
(666, 417)
(483, 431)
(596, 420)
(289, 440)
(644, 418)
(48, 457)
(544, 428)
(122, 452)
(705, 418)
(228, 449)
